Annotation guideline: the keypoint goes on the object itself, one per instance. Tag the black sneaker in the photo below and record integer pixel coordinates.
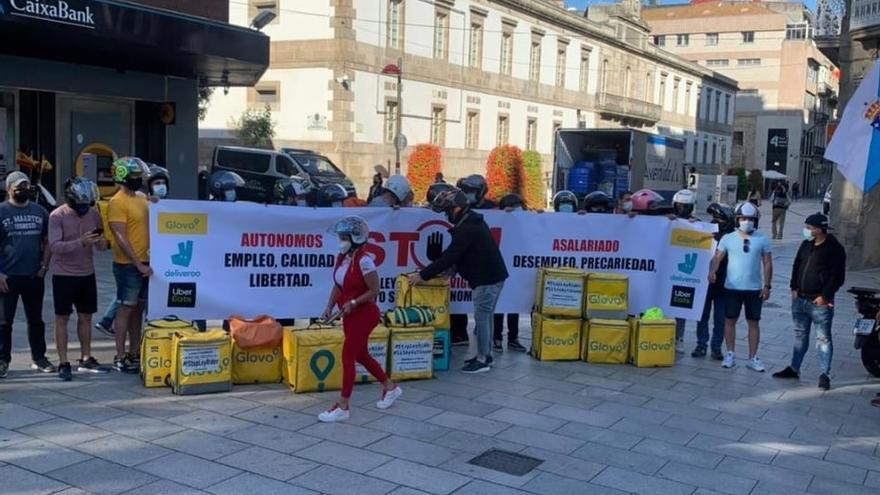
(458, 342)
(43, 365)
(699, 351)
(516, 346)
(4, 369)
(489, 360)
(717, 355)
(106, 329)
(91, 365)
(789, 372)
(476, 367)
(133, 362)
(64, 372)
(498, 345)
(824, 382)
(122, 365)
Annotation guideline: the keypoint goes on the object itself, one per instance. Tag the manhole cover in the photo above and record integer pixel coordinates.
(506, 462)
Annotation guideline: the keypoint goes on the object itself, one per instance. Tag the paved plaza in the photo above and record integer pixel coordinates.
(691, 429)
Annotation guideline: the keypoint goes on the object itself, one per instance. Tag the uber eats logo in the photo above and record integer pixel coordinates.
(682, 297)
(182, 295)
(567, 341)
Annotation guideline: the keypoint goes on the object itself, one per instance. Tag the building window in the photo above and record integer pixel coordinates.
(726, 109)
(395, 24)
(748, 36)
(687, 98)
(560, 67)
(800, 30)
(661, 98)
(506, 53)
(676, 84)
(723, 159)
(738, 138)
(390, 120)
(502, 135)
(535, 61)
(708, 115)
(472, 130)
(605, 76)
(812, 72)
(717, 106)
(682, 39)
(438, 125)
(717, 62)
(705, 152)
(476, 55)
(256, 7)
(695, 154)
(441, 35)
(627, 81)
(714, 153)
(531, 133)
(711, 39)
(660, 40)
(266, 95)
(584, 82)
(648, 78)
(748, 61)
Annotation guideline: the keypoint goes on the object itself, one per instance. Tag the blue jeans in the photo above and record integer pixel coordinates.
(110, 314)
(131, 286)
(716, 300)
(806, 315)
(485, 298)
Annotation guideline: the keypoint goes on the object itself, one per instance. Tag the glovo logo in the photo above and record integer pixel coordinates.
(603, 347)
(259, 357)
(157, 362)
(322, 372)
(655, 346)
(183, 223)
(572, 340)
(691, 239)
(605, 299)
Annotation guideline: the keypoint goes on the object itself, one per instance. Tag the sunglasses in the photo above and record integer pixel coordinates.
(746, 245)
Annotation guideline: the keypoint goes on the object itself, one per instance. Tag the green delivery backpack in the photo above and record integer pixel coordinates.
(409, 316)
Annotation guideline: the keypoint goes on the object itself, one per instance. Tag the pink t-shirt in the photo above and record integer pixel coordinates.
(69, 256)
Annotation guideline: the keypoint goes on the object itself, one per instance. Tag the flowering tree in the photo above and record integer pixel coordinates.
(505, 173)
(534, 186)
(423, 164)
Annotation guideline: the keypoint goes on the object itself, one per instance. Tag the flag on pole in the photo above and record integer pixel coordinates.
(855, 147)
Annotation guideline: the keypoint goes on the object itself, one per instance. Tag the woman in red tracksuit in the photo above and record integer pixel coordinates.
(356, 285)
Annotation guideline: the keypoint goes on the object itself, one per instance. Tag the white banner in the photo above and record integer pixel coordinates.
(213, 259)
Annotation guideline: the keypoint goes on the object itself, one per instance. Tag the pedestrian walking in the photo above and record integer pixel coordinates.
(818, 272)
(75, 232)
(476, 257)
(24, 259)
(723, 217)
(780, 201)
(356, 285)
(754, 197)
(747, 283)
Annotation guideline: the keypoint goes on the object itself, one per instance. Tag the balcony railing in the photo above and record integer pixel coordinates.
(864, 14)
(629, 109)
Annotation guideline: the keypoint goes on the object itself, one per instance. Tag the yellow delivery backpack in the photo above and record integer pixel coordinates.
(560, 292)
(156, 349)
(201, 363)
(555, 339)
(607, 296)
(378, 347)
(434, 294)
(607, 341)
(313, 358)
(652, 343)
(256, 364)
(412, 353)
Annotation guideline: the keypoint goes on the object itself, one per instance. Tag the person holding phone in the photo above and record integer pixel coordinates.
(74, 233)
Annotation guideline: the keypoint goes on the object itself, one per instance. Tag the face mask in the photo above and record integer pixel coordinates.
(344, 246)
(229, 195)
(471, 197)
(160, 190)
(81, 209)
(566, 208)
(301, 202)
(134, 184)
(627, 206)
(21, 196)
(746, 226)
(808, 235)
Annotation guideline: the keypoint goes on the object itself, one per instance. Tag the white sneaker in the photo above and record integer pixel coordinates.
(334, 414)
(729, 360)
(388, 397)
(679, 345)
(756, 364)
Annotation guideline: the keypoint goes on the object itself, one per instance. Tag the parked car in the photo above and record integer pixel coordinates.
(260, 168)
(826, 201)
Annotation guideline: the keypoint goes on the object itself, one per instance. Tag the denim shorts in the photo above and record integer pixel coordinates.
(131, 286)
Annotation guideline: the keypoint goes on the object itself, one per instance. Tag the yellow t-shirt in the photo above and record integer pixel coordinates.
(134, 212)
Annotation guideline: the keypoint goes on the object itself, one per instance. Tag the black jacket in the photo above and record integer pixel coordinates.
(819, 270)
(473, 252)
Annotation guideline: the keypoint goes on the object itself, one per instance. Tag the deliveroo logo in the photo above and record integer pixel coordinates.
(689, 264)
(322, 374)
(184, 254)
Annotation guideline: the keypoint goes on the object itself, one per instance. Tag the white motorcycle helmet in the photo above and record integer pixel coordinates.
(683, 202)
(399, 186)
(747, 211)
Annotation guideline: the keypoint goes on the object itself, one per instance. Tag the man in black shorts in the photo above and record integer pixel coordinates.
(74, 233)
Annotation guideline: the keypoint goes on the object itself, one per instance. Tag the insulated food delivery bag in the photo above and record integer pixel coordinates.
(156, 349)
(442, 349)
(560, 292)
(653, 343)
(313, 359)
(260, 332)
(201, 362)
(607, 296)
(434, 294)
(412, 353)
(378, 348)
(256, 364)
(555, 339)
(607, 341)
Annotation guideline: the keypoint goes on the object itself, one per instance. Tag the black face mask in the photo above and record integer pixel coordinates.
(81, 209)
(135, 183)
(21, 196)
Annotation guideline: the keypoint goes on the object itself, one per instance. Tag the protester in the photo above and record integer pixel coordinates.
(292, 191)
(223, 184)
(376, 188)
(682, 208)
(331, 196)
(780, 201)
(748, 252)
(818, 272)
(434, 190)
(476, 257)
(438, 178)
(565, 202)
(75, 231)
(597, 202)
(356, 285)
(509, 203)
(397, 193)
(158, 182)
(24, 259)
(128, 214)
(647, 202)
(624, 202)
(723, 217)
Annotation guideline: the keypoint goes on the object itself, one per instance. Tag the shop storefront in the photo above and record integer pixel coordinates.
(85, 81)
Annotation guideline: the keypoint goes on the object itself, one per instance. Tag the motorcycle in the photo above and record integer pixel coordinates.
(867, 330)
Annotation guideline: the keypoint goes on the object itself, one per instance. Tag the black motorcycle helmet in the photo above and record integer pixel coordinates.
(435, 189)
(332, 195)
(223, 185)
(598, 202)
(452, 202)
(723, 216)
(158, 173)
(566, 198)
(512, 201)
(474, 187)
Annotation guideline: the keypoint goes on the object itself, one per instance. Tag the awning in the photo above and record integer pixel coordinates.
(125, 36)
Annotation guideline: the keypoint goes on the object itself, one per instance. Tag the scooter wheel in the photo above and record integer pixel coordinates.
(871, 355)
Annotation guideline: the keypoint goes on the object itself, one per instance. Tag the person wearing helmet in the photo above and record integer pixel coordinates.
(475, 188)
(435, 189)
(647, 202)
(128, 216)
(477, 259)
(397, 193)
(598, 202)
(749, 254)
(75, 232)
(332, 196)
(224, 184)
(355, 287)
(157, 183)
(509, 203)
(293, 191)
(624, 202)
(722, 216)
(565, 202)
(457, 322)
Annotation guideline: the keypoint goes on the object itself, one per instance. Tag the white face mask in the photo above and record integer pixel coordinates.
(344, 246)
(160, 190)
(808, 235)
(229, 195)
(566, 208)
(747, 226)
(301, 202)
(627, 206)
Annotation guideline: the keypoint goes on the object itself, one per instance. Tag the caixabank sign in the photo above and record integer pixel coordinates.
(77, 13)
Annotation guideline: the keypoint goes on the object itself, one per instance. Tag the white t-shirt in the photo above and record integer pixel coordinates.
(367, 266)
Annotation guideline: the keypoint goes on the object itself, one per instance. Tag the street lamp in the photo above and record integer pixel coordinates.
(393, 70)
